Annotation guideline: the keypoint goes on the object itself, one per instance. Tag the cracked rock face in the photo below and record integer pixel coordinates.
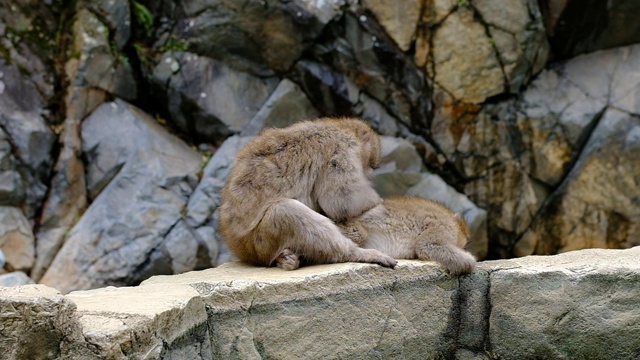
(483, 48)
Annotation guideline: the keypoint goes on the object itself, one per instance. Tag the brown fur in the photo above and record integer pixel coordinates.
(289, 185)
(414, 228)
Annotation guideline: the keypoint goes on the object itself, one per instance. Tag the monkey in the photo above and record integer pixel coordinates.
(289, 186)
(414, 228)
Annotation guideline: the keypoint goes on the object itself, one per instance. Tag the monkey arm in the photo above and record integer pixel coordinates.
(343, 190)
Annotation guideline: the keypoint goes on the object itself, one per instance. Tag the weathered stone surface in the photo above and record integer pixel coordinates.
(16, 239)
(66, 200)
(484, 48)
(582, 304)
(200, 226)
(207, 98)
(357, 49)
(399, 18)
(11, 186)
(31, 140)
(16, 278)
(564, 306)
(597, 205)
(510, 157)
(158, 317)
(464, 61)
(36, 322)
(100, 66)
(338, 296)
(517, 32)
(287, 105)
(139, 177)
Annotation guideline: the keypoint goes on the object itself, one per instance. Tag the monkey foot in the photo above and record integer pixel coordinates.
(376, 257)
(287, 260)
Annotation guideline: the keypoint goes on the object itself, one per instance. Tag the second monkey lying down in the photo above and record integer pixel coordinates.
(414, 228)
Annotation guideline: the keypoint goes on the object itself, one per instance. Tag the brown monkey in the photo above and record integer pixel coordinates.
(414, 228)
(289, 185)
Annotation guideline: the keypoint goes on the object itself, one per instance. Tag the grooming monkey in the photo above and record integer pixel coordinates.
(289, 185)
(414, 228)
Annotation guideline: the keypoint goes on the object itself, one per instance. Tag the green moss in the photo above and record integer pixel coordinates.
(144, 17)
(175, 45)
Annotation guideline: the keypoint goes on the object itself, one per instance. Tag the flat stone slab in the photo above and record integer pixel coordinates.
(582, 304)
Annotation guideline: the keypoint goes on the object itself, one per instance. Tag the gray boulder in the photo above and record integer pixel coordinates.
(15, 278)
(207, 98)
(16, 239)
(139, 179)
(30, 138)
(287, 105)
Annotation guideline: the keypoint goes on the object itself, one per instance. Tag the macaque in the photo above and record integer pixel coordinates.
(414, 228)
(289, 186)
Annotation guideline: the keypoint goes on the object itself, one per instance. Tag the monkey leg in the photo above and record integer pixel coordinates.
(312, 236)
(454, 259)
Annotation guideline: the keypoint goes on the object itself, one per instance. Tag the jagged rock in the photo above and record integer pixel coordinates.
(576, 27)
(574, 305)
(484, 48)
(287, 105)
(261, 37)
(356, 48)
(11, 186)
(510, 167)
(16, 278)
(28, 39)
(98, 65)
(402, 173)
(65, 202)
(37, 321)
(331, 92)
(139, 177)
(207, 248)
(464, 61)
(399, 18)
(517, 32)
(597, 205)
(165, 320)
(31, 139)
(209, 99)
(116, 14)
(16, 238)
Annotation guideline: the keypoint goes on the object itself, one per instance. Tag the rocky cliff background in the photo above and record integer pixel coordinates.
(119, 120)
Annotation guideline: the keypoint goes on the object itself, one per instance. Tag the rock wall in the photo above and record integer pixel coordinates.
(119, 120)
(579, 305)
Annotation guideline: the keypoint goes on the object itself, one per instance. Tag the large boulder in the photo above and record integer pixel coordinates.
(208, 99)
(139, 179)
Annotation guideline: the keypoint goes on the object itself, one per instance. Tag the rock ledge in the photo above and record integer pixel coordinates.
(573, 305)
